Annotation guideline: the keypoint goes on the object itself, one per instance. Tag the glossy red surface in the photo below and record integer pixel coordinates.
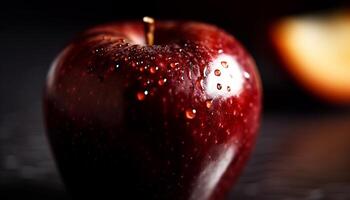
(175, 120)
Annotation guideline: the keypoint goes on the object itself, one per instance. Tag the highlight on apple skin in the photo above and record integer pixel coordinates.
(170, 113)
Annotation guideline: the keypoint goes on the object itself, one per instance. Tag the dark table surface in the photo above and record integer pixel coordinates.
(299, 155)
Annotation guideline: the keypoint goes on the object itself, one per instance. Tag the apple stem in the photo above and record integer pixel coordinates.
(149, 30)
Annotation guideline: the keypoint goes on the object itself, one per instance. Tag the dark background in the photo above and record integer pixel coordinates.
(300, 152)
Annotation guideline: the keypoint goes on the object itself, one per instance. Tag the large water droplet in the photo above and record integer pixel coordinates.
(218, 86)
(217, 72)
(190, 113)
(224, 64)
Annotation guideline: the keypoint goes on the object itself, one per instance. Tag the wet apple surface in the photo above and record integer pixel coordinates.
(173, 120)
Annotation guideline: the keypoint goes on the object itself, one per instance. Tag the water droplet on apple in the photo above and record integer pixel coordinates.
(190, 113)
(162, 81)
(217, 72)
(224, 64)
(140, 96)
(117, 66)
(173, 65)
(208, 103)
(218, 86)
(152, 70)
(246, 75)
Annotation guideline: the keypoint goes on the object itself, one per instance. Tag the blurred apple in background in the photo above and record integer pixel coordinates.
(316, 51)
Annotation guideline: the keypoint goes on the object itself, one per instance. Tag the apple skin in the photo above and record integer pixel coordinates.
(174, 120)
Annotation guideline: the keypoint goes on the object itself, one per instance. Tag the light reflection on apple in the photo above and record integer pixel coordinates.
(212, 172)
(223, 77)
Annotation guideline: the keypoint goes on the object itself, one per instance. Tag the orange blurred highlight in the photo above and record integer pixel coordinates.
(316, 51)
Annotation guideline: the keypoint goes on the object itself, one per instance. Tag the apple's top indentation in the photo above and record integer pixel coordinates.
(223, 78)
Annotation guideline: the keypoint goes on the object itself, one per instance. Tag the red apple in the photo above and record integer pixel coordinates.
(129, 119)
